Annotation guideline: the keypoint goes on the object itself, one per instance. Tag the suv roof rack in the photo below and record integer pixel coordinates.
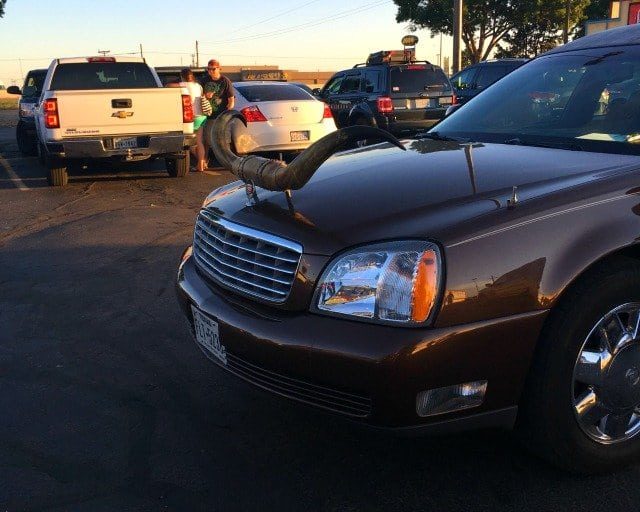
(364, 64)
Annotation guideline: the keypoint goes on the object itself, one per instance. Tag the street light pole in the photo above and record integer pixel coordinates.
(457, 35)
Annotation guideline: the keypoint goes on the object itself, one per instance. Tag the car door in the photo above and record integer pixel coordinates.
(348, 96)
(464, 84)
(330, 93)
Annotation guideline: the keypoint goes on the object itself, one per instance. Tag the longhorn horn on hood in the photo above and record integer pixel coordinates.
(276, 175)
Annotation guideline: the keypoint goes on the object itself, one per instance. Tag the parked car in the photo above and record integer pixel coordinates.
(473, 79)
(389, 92)
(303, 86)
(281, 117)
(111, 107)
(488, 275)
(30, 93)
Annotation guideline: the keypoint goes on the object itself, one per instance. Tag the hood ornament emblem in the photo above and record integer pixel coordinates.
(250, 190)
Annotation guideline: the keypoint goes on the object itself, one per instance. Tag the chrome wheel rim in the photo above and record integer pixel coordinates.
(606, 377)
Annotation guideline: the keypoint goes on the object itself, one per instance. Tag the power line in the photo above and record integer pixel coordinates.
(308, 24)
(244, 27)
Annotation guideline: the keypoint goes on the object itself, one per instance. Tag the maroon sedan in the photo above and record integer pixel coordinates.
(486, 273)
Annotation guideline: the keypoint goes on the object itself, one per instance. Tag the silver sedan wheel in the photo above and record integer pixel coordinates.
(606, 377)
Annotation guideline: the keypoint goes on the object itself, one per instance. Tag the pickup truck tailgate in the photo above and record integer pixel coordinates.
(119, 111)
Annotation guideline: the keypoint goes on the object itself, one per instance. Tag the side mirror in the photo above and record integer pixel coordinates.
(14, 89)
(452, 109)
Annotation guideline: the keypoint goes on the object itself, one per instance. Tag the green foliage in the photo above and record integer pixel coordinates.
(2, 4)
(521, 28)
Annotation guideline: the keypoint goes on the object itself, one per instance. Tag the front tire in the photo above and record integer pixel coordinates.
(581, 408)
(178, 167)
(26, 144)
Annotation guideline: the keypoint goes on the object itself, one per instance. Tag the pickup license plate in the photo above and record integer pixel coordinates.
(299, 136)
(421, 103)
(207, 335)
(125, 142)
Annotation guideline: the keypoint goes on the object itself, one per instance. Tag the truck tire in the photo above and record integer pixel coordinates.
(58, 175)
(26, 145)
(178, 167)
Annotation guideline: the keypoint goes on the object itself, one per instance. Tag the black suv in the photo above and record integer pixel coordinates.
(26, 129)
(474, 79)
(389, 93)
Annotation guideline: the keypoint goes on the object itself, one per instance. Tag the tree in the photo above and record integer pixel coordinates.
(538, 27)
(485, 22)
(2, 4)
(596, 10)
(515, 27)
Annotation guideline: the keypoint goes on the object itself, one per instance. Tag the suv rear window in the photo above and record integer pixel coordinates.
(417, 78)
(268, 92)
(102, 75)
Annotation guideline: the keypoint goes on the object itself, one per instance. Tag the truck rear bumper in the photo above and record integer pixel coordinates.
(103, 147)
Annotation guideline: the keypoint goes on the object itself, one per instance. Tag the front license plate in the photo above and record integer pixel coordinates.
(125, 142)
(207, 335)
(299, 136)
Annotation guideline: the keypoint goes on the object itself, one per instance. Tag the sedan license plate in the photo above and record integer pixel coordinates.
(125, 143)
(300, 136)
(207, 335)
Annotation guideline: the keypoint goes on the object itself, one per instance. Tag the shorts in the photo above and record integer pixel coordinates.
(198, 122)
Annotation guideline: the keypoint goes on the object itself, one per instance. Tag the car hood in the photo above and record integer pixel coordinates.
(380, 192)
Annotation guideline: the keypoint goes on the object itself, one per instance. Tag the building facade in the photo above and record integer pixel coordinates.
(621, 12)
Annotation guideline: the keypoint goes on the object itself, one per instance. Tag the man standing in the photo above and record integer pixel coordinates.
(219, 92)
(217, 89)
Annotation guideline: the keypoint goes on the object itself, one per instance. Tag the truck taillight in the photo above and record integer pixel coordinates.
(327, 112)
(385, 105)
(187, 109)
(51, 117)
(454, 100)
(253, 115)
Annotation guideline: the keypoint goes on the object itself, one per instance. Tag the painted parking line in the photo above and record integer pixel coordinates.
(14, 177)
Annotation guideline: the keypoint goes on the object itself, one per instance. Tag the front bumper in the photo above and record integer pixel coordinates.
(367, 372)
(102, 147)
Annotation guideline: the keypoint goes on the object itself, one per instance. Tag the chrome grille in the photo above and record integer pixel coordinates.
(248, 261)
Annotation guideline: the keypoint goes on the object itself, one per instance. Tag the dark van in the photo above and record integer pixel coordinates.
(474, 79)
(389, 92)
(26, 129)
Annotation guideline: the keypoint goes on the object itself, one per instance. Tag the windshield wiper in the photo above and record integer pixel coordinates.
(438, 136)
(571, 146)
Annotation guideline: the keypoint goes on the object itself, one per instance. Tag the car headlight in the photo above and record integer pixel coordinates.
(392, 282)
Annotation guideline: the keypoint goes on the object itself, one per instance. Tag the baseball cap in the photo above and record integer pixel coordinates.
(213, 63)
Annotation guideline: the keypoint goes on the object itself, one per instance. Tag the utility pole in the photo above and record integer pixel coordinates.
(457, 35)
(197, 55)
(141, 54)
(104, 52)
(440, 55)
(567, 16)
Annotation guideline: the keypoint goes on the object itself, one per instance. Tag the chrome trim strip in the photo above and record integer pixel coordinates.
(259, 235)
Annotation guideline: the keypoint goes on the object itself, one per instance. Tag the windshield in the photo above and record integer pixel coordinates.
(587, 100)
(102, 75)
(279, 92)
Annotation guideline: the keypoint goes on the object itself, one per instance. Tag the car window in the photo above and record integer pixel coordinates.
(489, 75)
(272, 92)
(417, 78)
(333, 86)
(464, 79)
(589, 101)
(350, 84)
(370, 81)
(33, 84)
(102, 75)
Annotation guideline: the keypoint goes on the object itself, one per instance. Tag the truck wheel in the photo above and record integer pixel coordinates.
(581, 408)
(58, 176)
(26, 144)
(178, 167)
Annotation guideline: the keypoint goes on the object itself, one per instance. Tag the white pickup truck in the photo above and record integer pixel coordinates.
(111, 107)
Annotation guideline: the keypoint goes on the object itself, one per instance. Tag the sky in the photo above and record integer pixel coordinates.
(307, 35)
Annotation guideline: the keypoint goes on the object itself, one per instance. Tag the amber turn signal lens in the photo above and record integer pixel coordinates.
(425, 286)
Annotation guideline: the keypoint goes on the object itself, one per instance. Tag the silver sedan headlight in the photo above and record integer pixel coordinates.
(392, 282)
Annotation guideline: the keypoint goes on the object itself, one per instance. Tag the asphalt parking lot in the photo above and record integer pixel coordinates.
(106, 404)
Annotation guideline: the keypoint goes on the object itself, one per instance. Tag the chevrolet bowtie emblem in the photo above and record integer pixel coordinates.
(122, 114)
